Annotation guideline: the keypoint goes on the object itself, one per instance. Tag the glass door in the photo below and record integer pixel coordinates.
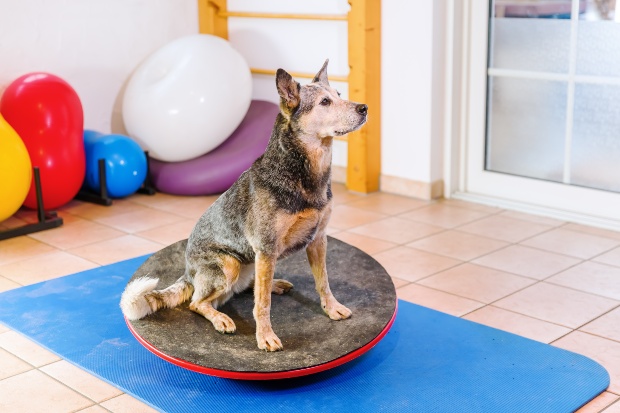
(548, 132)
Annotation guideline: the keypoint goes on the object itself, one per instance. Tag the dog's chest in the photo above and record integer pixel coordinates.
(300, 229)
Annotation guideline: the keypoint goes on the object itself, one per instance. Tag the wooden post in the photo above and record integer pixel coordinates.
(212, 19)
(364, 153)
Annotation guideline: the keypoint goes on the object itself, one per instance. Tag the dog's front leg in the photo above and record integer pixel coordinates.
(316, 251)
(265, 337)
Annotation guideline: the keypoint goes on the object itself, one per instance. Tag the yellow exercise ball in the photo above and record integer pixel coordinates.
(15, 170)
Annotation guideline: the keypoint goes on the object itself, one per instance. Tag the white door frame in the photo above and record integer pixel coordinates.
(465, 175)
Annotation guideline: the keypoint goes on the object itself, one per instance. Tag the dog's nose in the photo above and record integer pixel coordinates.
(362, 109)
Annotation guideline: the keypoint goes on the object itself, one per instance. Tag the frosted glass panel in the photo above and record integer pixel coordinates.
(595, 159)
(547, 9)
(527, 122)
(530, 44)
(598, 48)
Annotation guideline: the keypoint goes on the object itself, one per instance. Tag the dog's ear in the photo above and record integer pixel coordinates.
(321, 77)
(288, 89)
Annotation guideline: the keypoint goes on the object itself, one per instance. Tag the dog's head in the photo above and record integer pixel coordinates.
(316, 109)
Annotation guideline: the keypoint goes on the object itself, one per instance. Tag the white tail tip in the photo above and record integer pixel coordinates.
(133, 302)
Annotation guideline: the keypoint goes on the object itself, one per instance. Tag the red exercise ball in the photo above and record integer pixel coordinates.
(47, 114)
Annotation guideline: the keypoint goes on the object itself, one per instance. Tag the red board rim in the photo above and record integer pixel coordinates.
(288, 374)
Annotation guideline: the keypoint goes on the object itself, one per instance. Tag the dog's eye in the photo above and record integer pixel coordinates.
(325, 102)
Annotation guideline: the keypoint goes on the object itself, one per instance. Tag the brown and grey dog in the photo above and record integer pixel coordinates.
(280, 205)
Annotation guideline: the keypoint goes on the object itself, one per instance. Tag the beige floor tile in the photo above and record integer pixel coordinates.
(154, 201)
(476, 283)
(411, 265)
(127, 404)
(605, 352)
(593, 230)
(469, 205)
(31, 216)
(11, 222)
(558, 305)
(599, 403)
(33, 391)
(117, 249)
(442, 215)
(342, 195)
(94, 409)
(345, 217)
(591, 277)
(26, 350)
(81, 381)
(538, 219)
(169, 234)
(137, 221)
(458, 245)
(388, 204)
(45, 267)
(573, 243)
(21, 248)
(331, 230)
(6, 284)
(397, 230)
(94, 212)
(76, 233)
(367, 244)
(607, 325)
(543, 311)
(529, 262)
(504, 228)
(518, 324)
(187, 207)
(11, 365)
(398, 282)
(437, 300)
(611, 258)
(614, 408)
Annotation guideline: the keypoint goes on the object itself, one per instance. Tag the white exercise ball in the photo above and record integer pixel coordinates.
(187, 97)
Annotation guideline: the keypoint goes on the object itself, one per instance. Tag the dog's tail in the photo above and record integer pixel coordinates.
(141, 299)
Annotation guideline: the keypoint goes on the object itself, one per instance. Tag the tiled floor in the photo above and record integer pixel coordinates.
(548, 280)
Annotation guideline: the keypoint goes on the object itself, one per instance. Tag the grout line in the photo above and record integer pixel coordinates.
(447, 293)
(70, 388)
(583, 332)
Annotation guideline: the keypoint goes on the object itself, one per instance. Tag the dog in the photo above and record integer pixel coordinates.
(280, 205)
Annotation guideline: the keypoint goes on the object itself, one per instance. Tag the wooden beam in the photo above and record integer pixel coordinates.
(211, 19)
(288, 16)
(302, 75)
(364, 30)
(364, 154)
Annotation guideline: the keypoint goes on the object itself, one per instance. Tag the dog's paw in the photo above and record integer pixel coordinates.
(280, 286)
(337, 311)
(224, 324)
(268, 341)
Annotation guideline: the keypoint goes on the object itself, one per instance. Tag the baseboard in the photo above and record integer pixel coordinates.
(409, 187)
(397, 185)
(339, 174)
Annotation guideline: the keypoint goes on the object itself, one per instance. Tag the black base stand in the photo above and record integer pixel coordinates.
(102, 198)
(147, 187)
(46, 220)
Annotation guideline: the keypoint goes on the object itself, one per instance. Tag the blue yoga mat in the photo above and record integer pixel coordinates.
(428, 362)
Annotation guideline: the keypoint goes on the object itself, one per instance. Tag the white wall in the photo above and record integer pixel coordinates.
(93, 45)
(412, 89)
(294, 45)
(96, 44)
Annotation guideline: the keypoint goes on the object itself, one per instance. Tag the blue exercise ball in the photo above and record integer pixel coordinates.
(125, 163)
